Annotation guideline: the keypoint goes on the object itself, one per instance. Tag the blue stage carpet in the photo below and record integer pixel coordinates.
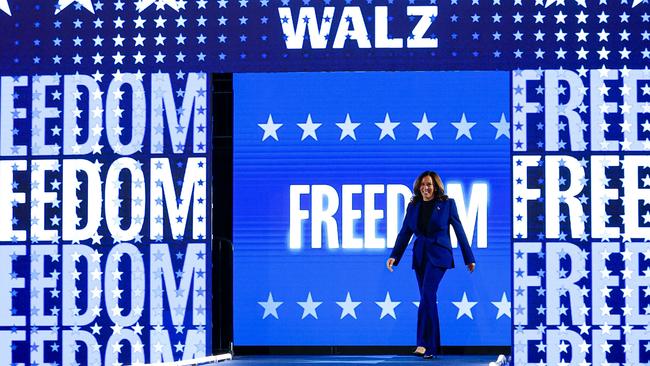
(445, 360)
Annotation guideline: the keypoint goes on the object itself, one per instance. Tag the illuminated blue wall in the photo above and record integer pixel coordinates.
(354, 180)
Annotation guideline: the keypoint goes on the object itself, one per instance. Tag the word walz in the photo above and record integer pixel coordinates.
(352, 27)
(376, 209)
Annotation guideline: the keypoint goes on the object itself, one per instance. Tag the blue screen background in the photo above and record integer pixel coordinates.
(265, 169)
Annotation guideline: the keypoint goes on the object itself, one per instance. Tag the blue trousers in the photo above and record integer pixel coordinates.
(428, 335)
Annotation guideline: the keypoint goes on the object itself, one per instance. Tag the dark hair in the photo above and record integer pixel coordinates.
(438, 188)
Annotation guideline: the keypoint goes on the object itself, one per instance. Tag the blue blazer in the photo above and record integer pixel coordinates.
(435, 243)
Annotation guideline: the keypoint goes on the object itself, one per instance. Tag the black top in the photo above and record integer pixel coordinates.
(426, 209)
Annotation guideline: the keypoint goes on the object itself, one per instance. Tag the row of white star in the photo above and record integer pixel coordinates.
(140, 5)
(387, 307)
(387, 128)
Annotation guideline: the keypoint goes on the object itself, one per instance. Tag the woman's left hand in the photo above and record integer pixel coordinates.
(471, 267)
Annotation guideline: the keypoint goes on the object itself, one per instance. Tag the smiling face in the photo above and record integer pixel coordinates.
(426, 188)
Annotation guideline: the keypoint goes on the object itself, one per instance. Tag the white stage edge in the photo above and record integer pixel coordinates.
(196, 361)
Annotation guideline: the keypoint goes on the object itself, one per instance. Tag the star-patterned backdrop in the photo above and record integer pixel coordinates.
(105, 180)
(578, 113)
(104, 221)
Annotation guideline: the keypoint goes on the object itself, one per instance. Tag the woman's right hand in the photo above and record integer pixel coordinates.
(389, 264)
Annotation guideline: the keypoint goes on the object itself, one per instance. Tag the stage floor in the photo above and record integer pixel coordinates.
(445, 360)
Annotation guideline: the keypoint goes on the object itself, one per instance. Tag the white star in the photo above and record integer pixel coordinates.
(143, 4)
(625, 35)
(605, 310)
(309, 128)
(117, 347)
(270, 306)
(64, 3)
(348, 306)
(387, 127)
(584, 347)
(606, 347)
(160, 22)
(603, 53)
(582, 35)
(602, 17)
(347, 128)
(503, 306)
(179, 346)
(582, 53)
(139, 40)
(97, 59)
(627, 273)
(160, 39)
(625, 89)
(603, 36)
(625, 108)
(137, 328)
(139, 23)
(159, 57)
(646, 90)
(139, 58)
(503, 127)
(627, 329)
(387, 306)
(309, 307)
(627, 254)
(270, 128)
(625, 144)
(118, 41)
(424, 127)
(97, 148)
(464, 307)
(582, 71)
(646, 182)
(463, 127)
(4, 6)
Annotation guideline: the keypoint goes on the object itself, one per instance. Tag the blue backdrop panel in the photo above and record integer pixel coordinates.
(291, 134)
(104, 205)
(581, 219)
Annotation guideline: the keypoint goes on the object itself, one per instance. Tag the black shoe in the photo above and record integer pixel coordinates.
(429, 357)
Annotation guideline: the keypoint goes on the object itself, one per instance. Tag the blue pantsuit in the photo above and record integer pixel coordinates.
(432, 256)
(428, 334)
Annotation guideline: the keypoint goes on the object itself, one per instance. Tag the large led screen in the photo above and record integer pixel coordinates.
(105, 251)
(323, 169)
